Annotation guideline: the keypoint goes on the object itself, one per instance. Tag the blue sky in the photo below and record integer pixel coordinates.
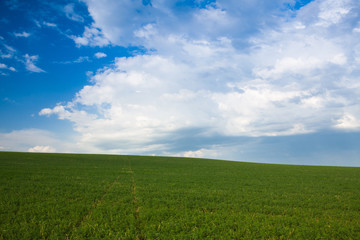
(249, 80)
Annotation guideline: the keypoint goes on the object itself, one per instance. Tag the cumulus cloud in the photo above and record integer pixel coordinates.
(100, 55)
(92, 36)
(118, 19)
(201, 153)
(332, 11)
(123, 22)
(26, 139)
(251, 75)
(30, 65)
(348, 121)
(4, 66)
(43, 149)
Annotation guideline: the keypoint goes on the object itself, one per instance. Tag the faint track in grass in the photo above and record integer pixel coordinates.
(93, 207)
(139, 234)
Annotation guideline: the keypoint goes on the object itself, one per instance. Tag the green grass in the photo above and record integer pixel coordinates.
(69, 196)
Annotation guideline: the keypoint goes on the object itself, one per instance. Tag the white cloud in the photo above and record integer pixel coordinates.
(23, 34)
(124, 22)
(272, 75)
(29, 63)
(78, 60)
(136, 105)
(9, 48)
(4, 66)
(49, 24)
(82, 59)
(91, 37)
(348, 121)
(70, 13)
(23, 140)
(201, 153)
(145, 32)
(43, 149)
(118, 20)
(6, 55)
(333, 11)
(8, 52)
(298, 53)
(100, 55)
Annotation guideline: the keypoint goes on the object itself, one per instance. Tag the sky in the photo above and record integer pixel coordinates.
(245, 80)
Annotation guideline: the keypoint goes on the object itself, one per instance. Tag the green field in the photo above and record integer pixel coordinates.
(69, 196)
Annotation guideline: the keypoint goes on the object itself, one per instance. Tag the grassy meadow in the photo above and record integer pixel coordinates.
(72, 196)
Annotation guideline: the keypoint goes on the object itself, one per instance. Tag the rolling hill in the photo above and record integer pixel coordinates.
(79, 196)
